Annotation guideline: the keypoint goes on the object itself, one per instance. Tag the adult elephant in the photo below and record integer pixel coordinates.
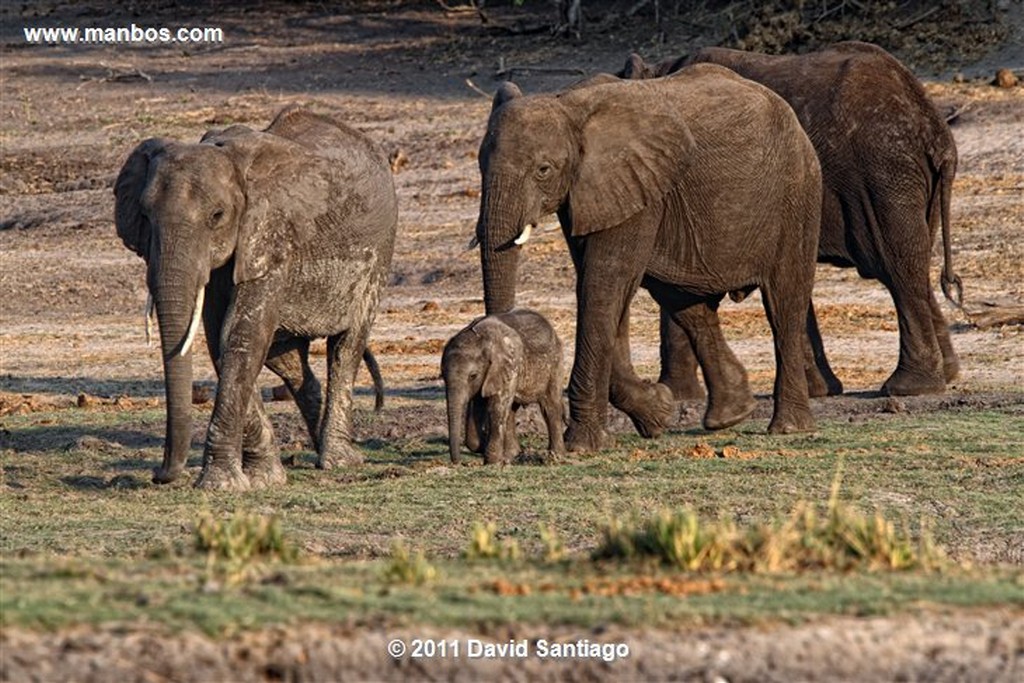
(690, 186)
(888, 161)
(272, 238)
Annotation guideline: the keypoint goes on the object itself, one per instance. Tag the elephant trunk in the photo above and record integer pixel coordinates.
(177, 298)
(458, 403)
(498, 230)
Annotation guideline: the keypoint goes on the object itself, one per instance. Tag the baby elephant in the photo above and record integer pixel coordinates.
(491, 368)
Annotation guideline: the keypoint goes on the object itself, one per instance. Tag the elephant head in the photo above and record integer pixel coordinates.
(576, 153)
(189, 209)
(482, 361)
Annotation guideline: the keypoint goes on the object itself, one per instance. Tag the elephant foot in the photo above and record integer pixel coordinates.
(654, 412)
(162, 475)
(223, 478)
(951, 368)
(580, 438)
(791, 421)
(265, 473)
(822, 384)
(724, 414)
(495, 458)
(343, 454)
(907, 383)
(684, 388)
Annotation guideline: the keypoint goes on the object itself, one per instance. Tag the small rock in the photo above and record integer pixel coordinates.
(431, 306)
(893, 405)
(959, 77)
(1006, 79)
(87, 401)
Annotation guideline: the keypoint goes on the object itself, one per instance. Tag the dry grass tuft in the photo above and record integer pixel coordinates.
(844, 539)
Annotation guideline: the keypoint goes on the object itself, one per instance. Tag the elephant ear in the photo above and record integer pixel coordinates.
(287, 190)
(506, 361)
(132, 226)
(634, 68)
(634, 147)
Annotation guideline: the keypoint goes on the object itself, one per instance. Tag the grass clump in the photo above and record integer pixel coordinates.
(236, 545)
(407, 568)
(553, 550)
(484, 544)
(843, 539)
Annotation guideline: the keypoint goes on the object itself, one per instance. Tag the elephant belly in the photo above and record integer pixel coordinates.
(330, 296)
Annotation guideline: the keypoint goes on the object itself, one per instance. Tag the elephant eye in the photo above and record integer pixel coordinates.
(544, 170)
(217, 215)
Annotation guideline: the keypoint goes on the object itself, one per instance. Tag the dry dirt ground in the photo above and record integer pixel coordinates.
(71, 297)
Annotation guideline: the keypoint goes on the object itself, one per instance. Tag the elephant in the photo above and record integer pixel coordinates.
(690, 186)
(491, 368)
(271, 238)
(888, 160)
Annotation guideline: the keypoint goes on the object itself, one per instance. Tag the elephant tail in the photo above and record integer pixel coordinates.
(949, 280)
(378, 381)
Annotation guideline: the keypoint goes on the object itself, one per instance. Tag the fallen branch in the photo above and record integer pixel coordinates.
(919, 18)
(954, 113)
(504, 70)
(475, 88)
(992, 314)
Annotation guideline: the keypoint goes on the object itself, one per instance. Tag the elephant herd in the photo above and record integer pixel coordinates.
(717, 174)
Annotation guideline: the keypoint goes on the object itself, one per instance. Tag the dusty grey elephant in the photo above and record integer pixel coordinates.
(494, 366)
(888, 160)
(272, 238)
(690, 186)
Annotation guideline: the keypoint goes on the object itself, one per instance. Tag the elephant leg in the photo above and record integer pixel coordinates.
(730, 400)
(678, 361)
(245, 341)
(551, 409)
(950, 360)
(499, 413)
(608, 275)
(289, 359)
(238, 423)
(786, 306)
(821, 380)
(344, 353)
(920, 367)
(650, 406)
(511, 448)
(261, 461)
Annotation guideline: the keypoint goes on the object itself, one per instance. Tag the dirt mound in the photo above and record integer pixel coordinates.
(927, 35)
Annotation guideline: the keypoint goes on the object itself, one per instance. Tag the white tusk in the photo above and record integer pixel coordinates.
(473, 243)
(149, 319)
(194, 325)
(524, 235)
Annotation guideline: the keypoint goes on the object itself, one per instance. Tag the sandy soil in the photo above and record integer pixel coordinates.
(71, 297)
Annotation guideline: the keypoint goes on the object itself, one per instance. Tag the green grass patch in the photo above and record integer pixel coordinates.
(85, 536)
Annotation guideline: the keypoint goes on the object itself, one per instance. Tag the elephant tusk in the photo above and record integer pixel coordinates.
(524, 235)
(473, 243)
(149, 319)
(194, 324)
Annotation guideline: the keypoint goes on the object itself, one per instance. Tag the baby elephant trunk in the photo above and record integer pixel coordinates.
(458, 403)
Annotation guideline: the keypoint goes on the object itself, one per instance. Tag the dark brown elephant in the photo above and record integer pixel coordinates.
(491, 368)
(690, 186)
(888, 160)
(272, 238)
